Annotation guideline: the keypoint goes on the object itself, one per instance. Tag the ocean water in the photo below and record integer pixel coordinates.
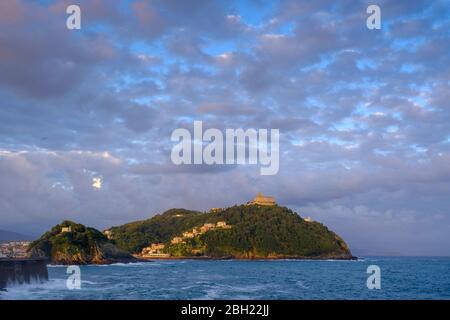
(401, 278)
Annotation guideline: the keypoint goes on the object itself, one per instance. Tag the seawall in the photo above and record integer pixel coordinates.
(19, 271)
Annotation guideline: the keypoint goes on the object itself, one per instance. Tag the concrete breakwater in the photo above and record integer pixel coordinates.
(19, 271)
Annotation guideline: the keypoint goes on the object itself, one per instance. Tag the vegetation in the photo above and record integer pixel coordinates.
(134, 236)
(257, 232)
(82, 245)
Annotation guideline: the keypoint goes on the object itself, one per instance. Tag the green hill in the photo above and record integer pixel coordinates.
(80, 245)
(256, 232)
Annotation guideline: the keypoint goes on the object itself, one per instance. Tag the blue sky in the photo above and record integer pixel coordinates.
(363, 114)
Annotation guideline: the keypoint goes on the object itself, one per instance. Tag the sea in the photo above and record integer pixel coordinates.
(399, 278)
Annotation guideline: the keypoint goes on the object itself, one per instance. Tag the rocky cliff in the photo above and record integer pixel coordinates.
(72, 243)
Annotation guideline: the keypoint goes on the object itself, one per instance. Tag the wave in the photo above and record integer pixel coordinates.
(122, 264)
(118, 264)
(43, 290)
(29, 290)
(56, 266)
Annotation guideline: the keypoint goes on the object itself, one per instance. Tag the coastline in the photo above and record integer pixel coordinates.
(205, 258)
(318, 258)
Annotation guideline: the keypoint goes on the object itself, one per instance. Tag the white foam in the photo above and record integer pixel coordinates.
(30, 290)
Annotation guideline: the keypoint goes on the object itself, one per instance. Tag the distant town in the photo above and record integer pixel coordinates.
(156, 250)
(14, 249)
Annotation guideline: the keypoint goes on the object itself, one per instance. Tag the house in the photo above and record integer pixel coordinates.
(206, 227)
(66, 229)
(154, 250)
(157, 246)
(223, 225)
(308, 219)
(176, 240)
(262, 200)
(188, 235)
(215, 210)
(108, 234)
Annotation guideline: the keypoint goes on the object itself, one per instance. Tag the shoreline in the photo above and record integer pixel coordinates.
(152, 259)
(324, 258)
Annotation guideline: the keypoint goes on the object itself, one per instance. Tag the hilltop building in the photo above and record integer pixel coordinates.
(308, 219)
(108, 234)
(262, 200)
(66, 229)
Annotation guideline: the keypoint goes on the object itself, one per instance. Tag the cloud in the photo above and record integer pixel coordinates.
(363, 115)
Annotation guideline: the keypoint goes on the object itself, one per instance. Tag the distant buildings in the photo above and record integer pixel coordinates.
(177, 240)
(206, 227)
(308, 219)
(215, 210)
(157, 249)
(188, 235)
(14, 249)
(221, 224)
(262, 200)
(154, 250)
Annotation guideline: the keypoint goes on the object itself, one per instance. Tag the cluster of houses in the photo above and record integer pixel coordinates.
(197, 231)
(154, 250)
(14, 249)
(157, 249)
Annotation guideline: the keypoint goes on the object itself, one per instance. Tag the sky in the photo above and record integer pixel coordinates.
(364, 117)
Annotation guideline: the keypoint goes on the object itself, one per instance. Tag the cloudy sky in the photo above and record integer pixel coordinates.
(364, 115)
